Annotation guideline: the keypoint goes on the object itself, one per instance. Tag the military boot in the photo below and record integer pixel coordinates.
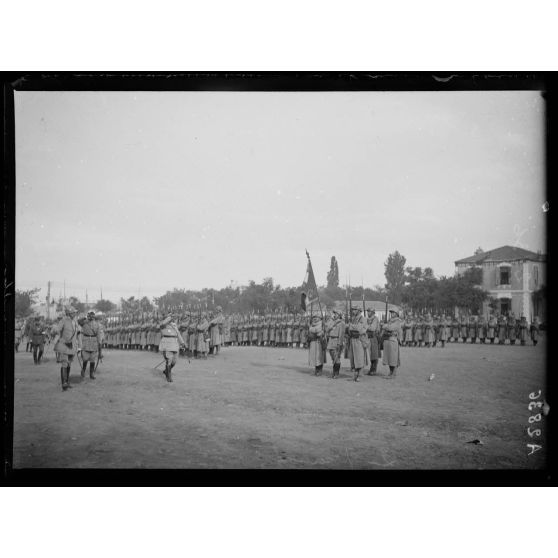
(92, 370)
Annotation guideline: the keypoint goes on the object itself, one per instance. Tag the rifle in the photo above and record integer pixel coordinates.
(348, 310)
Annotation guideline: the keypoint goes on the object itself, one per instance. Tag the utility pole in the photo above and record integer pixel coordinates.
(48, 302)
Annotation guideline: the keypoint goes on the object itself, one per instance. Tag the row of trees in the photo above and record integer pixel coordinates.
(412, 287)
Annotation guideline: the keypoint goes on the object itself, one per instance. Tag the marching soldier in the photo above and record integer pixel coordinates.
(502, 330)
(67, 344)
(315, 350)
(37, 334)
(373, 333)
(491, 328)
(512, 329)
(481, 329)
(303, 331)
(90, 344)
(391, 356)
(535, 331)
(202, 342)
(216, 331)
(429, 335)
(463, 328)
(523, 330)
(407, 330)
(358, 343)
(171, 341)
(472, 329)
(443, 331)
(296, 332)
(454, 330)
(18, 334)
(417, 333)
(336, 338)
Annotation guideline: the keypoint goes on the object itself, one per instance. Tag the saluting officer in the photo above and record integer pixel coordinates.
(90, 341)
(67, 344)
(171, 341)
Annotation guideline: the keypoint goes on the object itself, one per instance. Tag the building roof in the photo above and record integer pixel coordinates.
(502, 254)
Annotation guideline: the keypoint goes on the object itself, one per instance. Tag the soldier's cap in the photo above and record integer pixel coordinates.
(355, 309)
(394, 312)
(337, 312)
(219, 309)
(371, 310)
(90, 313)
(69, 309)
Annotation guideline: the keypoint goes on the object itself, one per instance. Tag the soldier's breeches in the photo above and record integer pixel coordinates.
(335, 356)
(170, 357)
(89, 356)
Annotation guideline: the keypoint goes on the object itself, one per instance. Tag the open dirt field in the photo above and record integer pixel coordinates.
(254, 407)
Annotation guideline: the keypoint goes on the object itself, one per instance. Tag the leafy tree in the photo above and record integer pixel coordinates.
(77, 304)
(24, 300)
(395, 275)
(105, 306)
(333, 273)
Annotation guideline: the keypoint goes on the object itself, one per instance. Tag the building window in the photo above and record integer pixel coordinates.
(505, 306)
(504, 276)
(536, 275)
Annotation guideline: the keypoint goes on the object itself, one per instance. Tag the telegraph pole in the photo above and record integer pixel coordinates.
(48, 302)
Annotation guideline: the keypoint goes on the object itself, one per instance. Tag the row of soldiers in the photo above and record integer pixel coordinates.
(427, 330)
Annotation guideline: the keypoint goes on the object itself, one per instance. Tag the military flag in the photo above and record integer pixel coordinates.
(309, 287)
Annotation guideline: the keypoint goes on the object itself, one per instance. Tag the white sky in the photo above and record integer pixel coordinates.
(141, 192)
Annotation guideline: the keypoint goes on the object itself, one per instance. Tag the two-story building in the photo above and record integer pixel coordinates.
(513, 278)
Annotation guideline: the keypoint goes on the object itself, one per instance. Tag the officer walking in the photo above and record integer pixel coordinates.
(37, 335)
(67, 344)
(91, 338)
(171, 341)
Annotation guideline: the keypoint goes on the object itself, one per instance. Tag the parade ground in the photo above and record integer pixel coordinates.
(257, 407)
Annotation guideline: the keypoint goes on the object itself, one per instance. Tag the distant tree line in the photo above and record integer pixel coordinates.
(413, 287)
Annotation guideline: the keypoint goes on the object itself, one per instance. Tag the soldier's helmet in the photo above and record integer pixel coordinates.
(90, 314)
(69, 309)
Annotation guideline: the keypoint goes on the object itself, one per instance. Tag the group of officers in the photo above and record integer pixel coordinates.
(361, 337)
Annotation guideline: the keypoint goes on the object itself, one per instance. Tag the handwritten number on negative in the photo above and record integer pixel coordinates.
(535, 405)
(534, 448)
(536, 432)
(534, 395)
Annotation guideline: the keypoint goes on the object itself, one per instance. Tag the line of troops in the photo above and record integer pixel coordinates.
(360, 339)
(427, 330)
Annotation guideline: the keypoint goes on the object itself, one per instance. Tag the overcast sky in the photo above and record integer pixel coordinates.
(141, 192)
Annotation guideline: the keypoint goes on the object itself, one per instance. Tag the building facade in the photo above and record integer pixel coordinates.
(514, 278)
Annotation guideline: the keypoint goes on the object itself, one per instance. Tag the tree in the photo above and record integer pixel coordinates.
(395, 275)
(77, 304)
(105, 306)
(333, 273)
(24, 300)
